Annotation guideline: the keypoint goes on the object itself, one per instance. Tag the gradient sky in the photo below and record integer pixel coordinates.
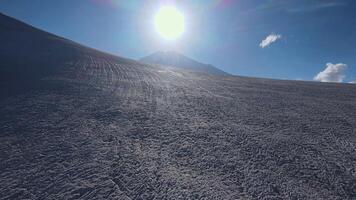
(225, 33)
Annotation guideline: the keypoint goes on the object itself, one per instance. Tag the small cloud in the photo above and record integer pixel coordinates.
(332, 73)
(269, 40)
(353, 82)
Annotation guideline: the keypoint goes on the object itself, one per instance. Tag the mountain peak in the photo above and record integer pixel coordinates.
(176, 59)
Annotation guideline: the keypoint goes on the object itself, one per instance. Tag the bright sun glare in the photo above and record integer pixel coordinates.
(169, 23)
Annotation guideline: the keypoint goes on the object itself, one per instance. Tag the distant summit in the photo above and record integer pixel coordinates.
(175, 59)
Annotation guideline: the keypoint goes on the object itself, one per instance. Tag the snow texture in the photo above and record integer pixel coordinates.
(175, 59)
(80, 124)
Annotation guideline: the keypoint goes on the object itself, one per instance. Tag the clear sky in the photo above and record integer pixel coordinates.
(304, 35)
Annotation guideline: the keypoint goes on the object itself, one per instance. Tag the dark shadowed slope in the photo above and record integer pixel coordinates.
(28, 54)
(95, 126)
(172, 58)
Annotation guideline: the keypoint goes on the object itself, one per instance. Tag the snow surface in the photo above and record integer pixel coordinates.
(95, 126)
(175, 59)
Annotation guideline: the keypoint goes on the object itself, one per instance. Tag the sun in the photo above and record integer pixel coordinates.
(169, 22)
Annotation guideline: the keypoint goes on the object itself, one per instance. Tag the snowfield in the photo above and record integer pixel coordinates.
(80, 124)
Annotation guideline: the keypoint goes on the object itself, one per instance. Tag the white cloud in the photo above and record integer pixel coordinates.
(332, 73)
(353, 82)
(269, 40)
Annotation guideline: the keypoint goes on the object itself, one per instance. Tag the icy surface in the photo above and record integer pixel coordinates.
(94, 126)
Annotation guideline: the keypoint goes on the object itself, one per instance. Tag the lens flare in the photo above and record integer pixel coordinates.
(169, 23)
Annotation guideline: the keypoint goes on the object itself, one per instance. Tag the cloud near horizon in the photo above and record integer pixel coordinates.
(269, 40)
(332, 73)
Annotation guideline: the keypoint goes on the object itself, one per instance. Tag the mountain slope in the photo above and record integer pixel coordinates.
(89, 125)
(171, 58)
(29, 54)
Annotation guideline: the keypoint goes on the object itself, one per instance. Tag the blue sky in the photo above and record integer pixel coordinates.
(225, 33)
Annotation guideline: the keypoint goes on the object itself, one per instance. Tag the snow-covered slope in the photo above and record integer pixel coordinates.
(175, 59)
(76, 123)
